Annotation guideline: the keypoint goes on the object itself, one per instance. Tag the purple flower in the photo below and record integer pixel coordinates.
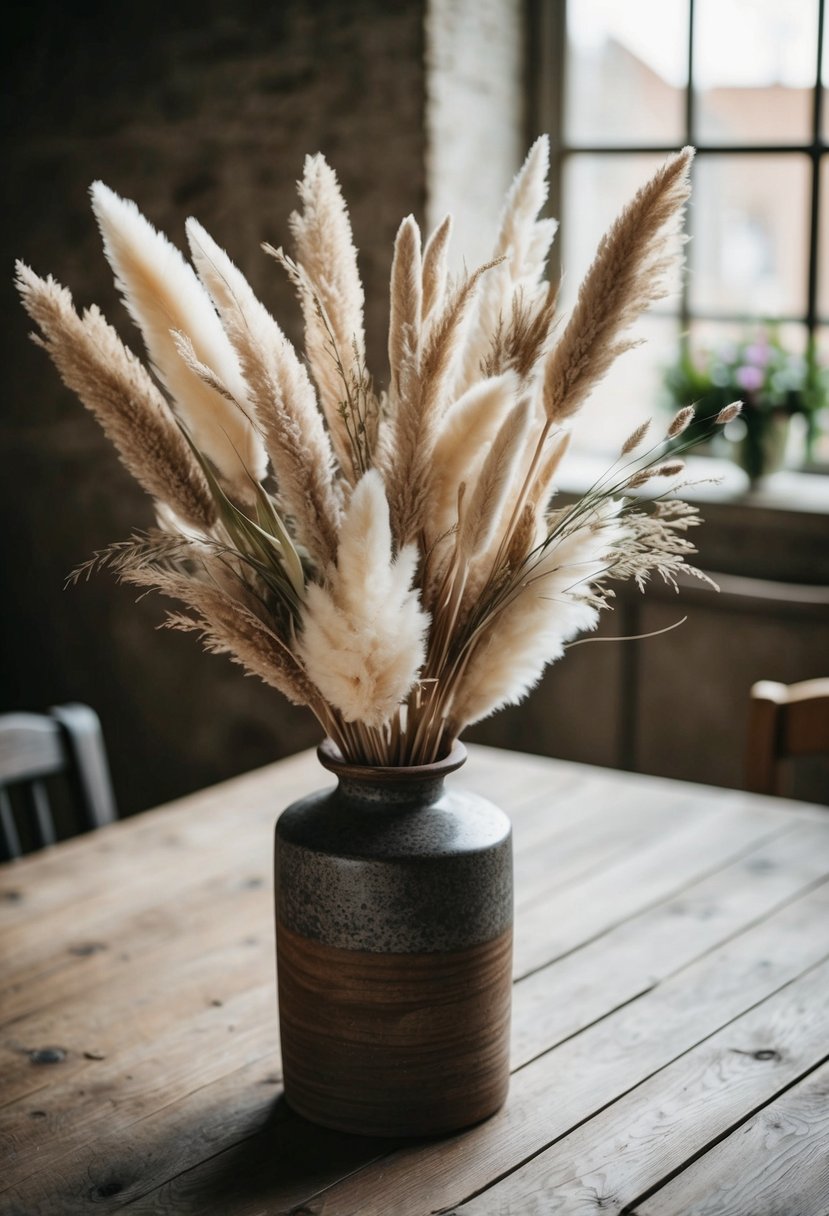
(758, 354)
(749, 378)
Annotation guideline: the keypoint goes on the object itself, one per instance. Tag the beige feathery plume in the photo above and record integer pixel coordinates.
(117, 389)
(466, 431)
(484, 510)
(164, 296)
(435, 268)
(728, 413)
(627, 274)
(681, 421)
(283, 396)
(405, 316)
(635, 437)
(554, 605)
(325, 251)
(228, 626)
(362, 639)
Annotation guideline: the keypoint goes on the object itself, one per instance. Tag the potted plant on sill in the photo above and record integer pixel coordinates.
(395, 560)
(774, 384)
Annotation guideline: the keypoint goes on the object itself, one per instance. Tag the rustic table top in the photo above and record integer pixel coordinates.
(670, 1017)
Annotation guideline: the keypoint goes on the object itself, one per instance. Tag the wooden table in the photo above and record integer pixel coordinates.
(670, 1030)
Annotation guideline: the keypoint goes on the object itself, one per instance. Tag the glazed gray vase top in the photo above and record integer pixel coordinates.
(394, 908)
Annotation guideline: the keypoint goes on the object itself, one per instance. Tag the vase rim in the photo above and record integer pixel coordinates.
(330, 757)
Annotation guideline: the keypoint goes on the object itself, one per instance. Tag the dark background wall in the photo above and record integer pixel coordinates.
(189, 108)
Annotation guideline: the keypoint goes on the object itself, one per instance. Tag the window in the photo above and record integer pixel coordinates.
(744, 81)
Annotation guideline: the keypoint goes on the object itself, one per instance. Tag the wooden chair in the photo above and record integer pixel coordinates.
(33, 747)
(786, 721)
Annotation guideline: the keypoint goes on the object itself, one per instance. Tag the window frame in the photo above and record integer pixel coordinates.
(547, 64)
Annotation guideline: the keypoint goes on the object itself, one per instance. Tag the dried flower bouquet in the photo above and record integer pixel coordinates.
(389, 559)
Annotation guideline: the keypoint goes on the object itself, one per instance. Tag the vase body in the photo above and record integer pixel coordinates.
(394, 951)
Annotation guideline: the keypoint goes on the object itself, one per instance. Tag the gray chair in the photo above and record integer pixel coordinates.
(67, 743)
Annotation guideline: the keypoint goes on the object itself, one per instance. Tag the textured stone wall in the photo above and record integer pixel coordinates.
(204, 109)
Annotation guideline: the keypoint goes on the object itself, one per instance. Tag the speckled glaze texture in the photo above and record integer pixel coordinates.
(391, 862)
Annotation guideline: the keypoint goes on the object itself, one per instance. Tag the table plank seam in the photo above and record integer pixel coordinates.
(722, 864)
(630, 1208)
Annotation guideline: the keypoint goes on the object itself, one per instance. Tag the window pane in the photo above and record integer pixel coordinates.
(595, 189)
(749, 225)
(626, 66)
(631, 392)
(754, 69)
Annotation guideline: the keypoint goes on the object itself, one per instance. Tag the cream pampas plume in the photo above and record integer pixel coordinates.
(553, 605)
(492, 489)
(362, 640)
(116, 388)
(283, 397)
(627, 274)
(331, 295)
(466, 431)
(164, 298)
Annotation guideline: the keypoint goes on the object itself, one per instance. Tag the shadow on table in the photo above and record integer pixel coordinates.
(282, 1164)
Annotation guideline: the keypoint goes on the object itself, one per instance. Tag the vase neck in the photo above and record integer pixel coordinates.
(381, 795)
(401, 787)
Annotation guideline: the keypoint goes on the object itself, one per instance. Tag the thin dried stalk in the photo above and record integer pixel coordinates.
(116, 388)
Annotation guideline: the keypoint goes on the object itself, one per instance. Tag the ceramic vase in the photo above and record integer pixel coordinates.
(394, 909)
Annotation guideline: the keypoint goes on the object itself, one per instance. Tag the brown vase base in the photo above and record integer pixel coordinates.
(394, 1044)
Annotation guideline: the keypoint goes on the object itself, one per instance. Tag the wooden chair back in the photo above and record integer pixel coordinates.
(786, 721)
(34, 747)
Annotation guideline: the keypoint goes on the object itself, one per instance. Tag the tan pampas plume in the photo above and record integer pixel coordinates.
(405, 317)
(627, 274)
(635, 438)
(728, 413)
(116, 388)
(412, 432)
(363, 634)
(228, 626)
(681, 421)
(331, 295)
(164, 297)
(283, 398)
(435, 255)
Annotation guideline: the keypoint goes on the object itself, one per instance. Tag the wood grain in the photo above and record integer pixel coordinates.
(394, 1044)
(604, 1166)
(775, 1162)
(654, 913)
